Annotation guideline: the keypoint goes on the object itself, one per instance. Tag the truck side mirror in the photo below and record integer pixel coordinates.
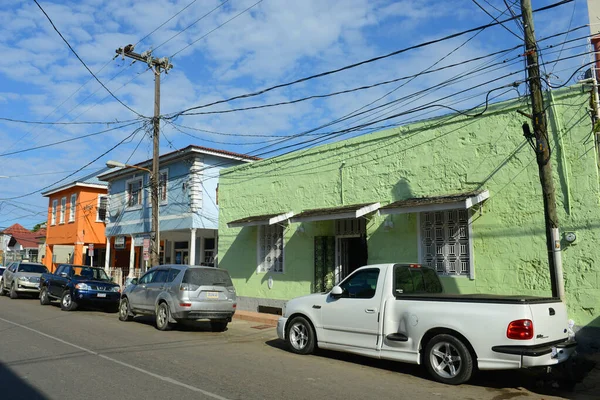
(63, 274)
(336, 291)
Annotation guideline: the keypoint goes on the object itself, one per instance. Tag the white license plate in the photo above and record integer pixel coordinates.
(212, 295)
(101, 294)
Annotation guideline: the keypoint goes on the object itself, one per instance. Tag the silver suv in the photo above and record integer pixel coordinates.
(22, 277)
(174, 293)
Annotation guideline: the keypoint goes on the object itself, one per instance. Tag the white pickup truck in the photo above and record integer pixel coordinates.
(399, 312)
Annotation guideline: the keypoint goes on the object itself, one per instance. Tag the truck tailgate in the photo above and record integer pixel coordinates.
(550, 321)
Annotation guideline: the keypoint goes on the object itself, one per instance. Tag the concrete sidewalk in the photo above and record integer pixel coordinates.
(262, 318)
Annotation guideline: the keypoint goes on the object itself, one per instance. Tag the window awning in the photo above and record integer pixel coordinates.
(343, 212)
(268, 219)
(419, 204)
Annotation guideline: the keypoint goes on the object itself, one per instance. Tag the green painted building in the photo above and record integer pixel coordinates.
(461, 194)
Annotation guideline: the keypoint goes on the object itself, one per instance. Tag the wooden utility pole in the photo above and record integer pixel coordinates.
(542, 150)
(158, 65)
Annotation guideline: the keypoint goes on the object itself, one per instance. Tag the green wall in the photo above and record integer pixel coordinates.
(450, 154)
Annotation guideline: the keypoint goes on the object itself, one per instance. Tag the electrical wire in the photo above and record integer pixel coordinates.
(84, 64)
(221, 25)
(166, 22)
(368, 61)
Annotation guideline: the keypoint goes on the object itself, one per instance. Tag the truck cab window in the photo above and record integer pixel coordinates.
(415, 280)
(361, 285)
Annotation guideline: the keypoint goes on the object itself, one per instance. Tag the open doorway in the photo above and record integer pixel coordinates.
(351, 253)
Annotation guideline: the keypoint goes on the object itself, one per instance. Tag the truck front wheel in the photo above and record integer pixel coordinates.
(300, 336)
(44, 299)
(448, 360)
(67, 303)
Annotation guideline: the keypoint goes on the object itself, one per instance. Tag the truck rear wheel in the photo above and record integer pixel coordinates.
(448, 360)
(44, 299)
(300, 336)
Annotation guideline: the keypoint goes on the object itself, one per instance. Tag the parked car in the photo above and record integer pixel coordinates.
(399, 312)
(76, 285)
(174, 293)
(22, 277)
(2, 269)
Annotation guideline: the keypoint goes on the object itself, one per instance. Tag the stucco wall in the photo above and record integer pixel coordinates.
(446, 155)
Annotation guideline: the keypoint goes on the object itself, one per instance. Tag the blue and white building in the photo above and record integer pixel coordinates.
(188, 213)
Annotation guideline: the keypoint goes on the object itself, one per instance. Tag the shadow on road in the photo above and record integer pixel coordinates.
(186, 326)
(560, 381)
(15, 388)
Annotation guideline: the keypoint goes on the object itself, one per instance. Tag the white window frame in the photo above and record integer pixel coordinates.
(264, 266)
(72, 207)
(100, 196)
(63, 206)
(470, 273)
(141, 193)
(53, 216)
(164, 172)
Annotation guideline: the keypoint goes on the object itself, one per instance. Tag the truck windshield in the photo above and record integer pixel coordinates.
(207, 277)
(34, 268)
(416, 280)
(96, 274)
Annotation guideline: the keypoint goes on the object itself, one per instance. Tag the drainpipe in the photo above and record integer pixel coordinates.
(558, 269)
(560, 132)
(342, 181)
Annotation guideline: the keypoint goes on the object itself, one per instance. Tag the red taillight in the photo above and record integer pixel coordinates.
(185, 304)
(521, 329)
(234, 305)
(415, 265)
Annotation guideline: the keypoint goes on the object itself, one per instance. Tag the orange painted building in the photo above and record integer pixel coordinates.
(76, 217)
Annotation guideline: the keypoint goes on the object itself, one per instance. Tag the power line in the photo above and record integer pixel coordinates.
(166, 22)
(223, 24)
(371, 60)
(84, 64)
(21, 121)
(192, 24)
(130, 136)
(65, 141)
(496, 19)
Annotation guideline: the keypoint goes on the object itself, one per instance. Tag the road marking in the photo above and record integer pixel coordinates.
(143, 371)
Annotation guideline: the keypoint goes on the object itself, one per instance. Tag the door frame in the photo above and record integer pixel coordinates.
(338, 247)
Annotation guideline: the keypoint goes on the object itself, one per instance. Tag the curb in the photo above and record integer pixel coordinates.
(265, 319)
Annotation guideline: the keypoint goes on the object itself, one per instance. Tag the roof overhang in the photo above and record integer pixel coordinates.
(72, 185)
(343, 212)
(269, 219)
(420, 204)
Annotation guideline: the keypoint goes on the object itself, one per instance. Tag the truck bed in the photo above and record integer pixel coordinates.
(478, 298)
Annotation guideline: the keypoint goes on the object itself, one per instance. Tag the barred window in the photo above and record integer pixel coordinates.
(63, 206)
(53, 217)
(102, 208)
(270, 248)
(134, 192)
(162, 186)
(445, 241)
(72, 207)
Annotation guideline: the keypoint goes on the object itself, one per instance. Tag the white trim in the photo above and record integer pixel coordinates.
(347, 215)
(77, 184)
(471, 253)
(63, 210)
(419, 240)
(141, 221)
(273, 220)
(72, 207)
(141, 193)
(463, 204)
(53, 212)
(166, 200)
(98, 208)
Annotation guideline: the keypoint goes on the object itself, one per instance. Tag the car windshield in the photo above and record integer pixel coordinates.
(34, 268)
(207, 277)
(90, 273)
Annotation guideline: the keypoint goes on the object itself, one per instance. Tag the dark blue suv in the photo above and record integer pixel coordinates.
(76, 285)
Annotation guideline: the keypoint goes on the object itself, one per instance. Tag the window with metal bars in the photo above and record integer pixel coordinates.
(445, 242)
(270, 248)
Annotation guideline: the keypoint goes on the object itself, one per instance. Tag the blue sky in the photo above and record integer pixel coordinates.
(273, 42)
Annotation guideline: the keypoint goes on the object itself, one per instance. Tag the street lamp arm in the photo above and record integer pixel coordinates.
(117, 164)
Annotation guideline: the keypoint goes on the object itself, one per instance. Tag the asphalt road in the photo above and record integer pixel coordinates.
(46, 353)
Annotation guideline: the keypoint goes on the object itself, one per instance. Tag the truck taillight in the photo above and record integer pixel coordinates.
(521, 329)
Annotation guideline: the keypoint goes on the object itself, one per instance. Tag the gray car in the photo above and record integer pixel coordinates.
(22, 277)
(174, 293)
